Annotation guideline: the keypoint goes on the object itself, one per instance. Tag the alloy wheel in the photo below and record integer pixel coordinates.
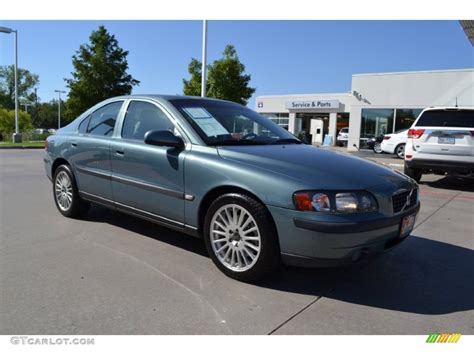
(400, 151)
(377, 148)
(235, 237)
(63, 191)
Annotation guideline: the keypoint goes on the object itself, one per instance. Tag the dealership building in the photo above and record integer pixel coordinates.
(377, 104)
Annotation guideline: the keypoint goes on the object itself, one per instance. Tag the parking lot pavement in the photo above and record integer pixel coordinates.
(114, 274)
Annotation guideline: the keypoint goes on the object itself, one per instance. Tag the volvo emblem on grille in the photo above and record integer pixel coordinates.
(407, 202)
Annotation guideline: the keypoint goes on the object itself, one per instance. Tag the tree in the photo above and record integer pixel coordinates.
(192, 87)
(100, 72)
(7, 121)
(48, 114)
(27, 81)
(226, 79)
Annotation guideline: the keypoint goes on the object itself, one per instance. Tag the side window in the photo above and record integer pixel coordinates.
(83, 125)
(142, 117)
(102, 121)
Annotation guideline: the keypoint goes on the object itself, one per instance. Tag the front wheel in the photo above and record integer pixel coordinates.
(66, 195)
(378, 148)
(400, 151)
(241, 237)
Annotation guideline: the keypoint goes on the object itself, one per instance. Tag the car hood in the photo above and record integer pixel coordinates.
(316, 167)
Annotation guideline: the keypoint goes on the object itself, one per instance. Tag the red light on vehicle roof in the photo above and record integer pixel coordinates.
(415, 133)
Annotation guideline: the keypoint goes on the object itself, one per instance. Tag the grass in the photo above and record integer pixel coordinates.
(26, 144)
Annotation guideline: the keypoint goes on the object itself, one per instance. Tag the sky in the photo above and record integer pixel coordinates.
(282, 57)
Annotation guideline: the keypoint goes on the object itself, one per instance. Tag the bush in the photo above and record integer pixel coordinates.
(7, 122)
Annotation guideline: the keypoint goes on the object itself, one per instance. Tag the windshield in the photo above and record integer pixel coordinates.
(227, 123)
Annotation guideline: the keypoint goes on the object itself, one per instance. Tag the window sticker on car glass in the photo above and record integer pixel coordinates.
(197, 112)
(206, 121)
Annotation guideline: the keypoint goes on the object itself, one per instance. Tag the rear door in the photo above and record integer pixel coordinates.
(445, 132)
(90, 152)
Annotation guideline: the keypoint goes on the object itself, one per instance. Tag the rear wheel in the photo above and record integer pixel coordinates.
(378, 148)
(66, 195)
(400, 151)
(415, 174)
(241, 238)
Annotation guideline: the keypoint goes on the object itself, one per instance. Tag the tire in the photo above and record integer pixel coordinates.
(415, 174)
(65, 193)
(225, 236)
(400, 151)
(378, 148)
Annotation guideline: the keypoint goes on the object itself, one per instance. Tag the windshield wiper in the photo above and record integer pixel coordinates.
(287, 141)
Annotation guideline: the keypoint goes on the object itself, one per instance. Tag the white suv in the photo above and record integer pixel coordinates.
(440, 141)
(343, 136)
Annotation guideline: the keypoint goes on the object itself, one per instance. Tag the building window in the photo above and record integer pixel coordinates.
(404, 117)
(281, 119)
(375, 122)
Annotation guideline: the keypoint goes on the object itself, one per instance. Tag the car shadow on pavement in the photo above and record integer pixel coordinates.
(452, 182)
(101, 214)
(420, 276)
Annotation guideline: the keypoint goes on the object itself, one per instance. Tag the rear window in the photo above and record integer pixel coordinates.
(447, 118)
(344, 130)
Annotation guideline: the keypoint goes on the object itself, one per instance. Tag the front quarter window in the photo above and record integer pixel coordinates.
(227, 123)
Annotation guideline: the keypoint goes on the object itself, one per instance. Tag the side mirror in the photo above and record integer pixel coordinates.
(163, 139)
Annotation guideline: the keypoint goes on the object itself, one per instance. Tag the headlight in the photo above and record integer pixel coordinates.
(346, 202)
(335, 202)
(321, 203)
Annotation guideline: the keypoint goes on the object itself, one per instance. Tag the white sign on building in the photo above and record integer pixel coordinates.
(311, 105)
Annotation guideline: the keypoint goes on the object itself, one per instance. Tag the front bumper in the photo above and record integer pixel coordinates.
(305, 241)
(48, 166)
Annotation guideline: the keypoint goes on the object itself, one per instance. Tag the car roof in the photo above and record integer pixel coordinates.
(448, 108)
(165, 97)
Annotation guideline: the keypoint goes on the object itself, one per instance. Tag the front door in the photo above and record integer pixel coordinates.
(147, 180)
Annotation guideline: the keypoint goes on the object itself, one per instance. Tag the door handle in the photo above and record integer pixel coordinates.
(120, 153)
(74, 144)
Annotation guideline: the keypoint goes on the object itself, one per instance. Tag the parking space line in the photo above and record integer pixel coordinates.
(299, 312)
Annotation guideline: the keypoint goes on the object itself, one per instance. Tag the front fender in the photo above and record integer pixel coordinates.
(205, 170)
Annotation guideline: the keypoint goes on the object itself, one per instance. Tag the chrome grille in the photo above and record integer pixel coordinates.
(399, 201)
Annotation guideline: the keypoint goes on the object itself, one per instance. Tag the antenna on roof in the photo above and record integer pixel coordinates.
(456, 101)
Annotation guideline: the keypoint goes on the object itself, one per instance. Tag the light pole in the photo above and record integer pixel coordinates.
(59, 106)
(204, 53)
(26, 104)
(16, 135)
